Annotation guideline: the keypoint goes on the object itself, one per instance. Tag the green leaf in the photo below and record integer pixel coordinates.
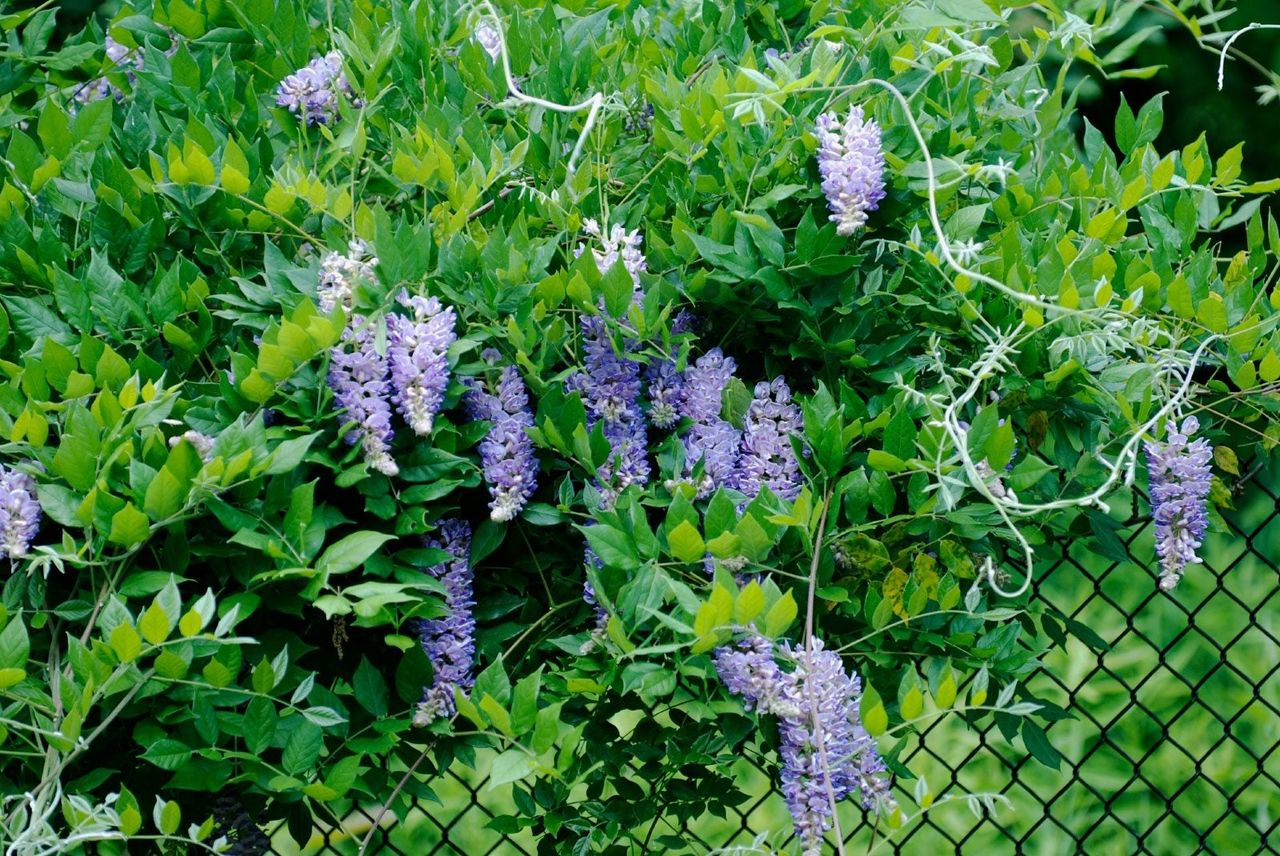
(126, 642)
(780, 615)
(371, 689)
(155, 624)
(524, 702)
(259, 724)
(614, 547)
(167, 754)
(1212, 313)
(1037, 743)
(900, 436)
(170, 817)
(14, 644)
(303, 748)
(686, 543)
(129, 526)
(511, 766)
(1179, 297)
(351, 552)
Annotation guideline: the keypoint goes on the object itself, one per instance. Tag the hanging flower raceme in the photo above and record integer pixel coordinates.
(19, 513)
(616, 244)
(767, 458)
(1179, 476)
(358, 375)
(510, 467)
(851, 164)
(488, 37)
(610, 390)
(710, 439)
(339, 274)
(418, 352)
(826, 753)
(125, 59)
(666, 393)
(449, 641)
(314, 91)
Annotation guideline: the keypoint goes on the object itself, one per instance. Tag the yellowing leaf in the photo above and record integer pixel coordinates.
(154, 624)
(126, 642)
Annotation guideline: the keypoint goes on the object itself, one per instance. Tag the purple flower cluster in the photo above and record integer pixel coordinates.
(19, 513)
(610, 390)
(710, 439)
(666, 393)
(488, 37)
(851, 163)
(510, 467)
(767, 458)
(1179, 473)
(450, 641)
(127, 60)
(826, 753)
(339, 274)
(313, 91)
(418, 353)
(358, 375)
(617, 244)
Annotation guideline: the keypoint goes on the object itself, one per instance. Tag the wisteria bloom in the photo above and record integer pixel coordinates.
(851, 163)
(358, 375)
(825, 751)
(710, 439)
(1179, 475)
(488, 37)
(418, 353)
(767, 458)
(591, 560)
(510, 467)
(126, 60)
(339, 274)
(19, 513)
(610, 390)
(616, 244)
(202, 443)
(313, 92)
(666, 393)
(449, 641)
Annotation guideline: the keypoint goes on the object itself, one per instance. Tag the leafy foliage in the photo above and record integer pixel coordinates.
(241, 618)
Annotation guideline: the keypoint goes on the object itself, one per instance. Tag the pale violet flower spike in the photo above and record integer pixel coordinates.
(1179, 476)
(618, 243)
(767, 458)
(487, 36)
(815, 696)
(339, 274)
(418, 352)
(510, 467)
(19, 513)
(851, 163)
(313, 92)
(449, 641)
(710, 438)
(358, 378)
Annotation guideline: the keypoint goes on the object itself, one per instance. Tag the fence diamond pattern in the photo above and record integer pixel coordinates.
(1172, 747)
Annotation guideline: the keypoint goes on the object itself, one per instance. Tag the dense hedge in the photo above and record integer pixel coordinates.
(343, 345)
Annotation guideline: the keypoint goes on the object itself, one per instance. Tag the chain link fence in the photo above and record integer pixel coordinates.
(1169, 743)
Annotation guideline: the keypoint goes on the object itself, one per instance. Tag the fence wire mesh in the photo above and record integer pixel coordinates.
(1170, 746)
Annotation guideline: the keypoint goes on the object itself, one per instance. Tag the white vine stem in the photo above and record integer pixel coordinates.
(592, 105)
